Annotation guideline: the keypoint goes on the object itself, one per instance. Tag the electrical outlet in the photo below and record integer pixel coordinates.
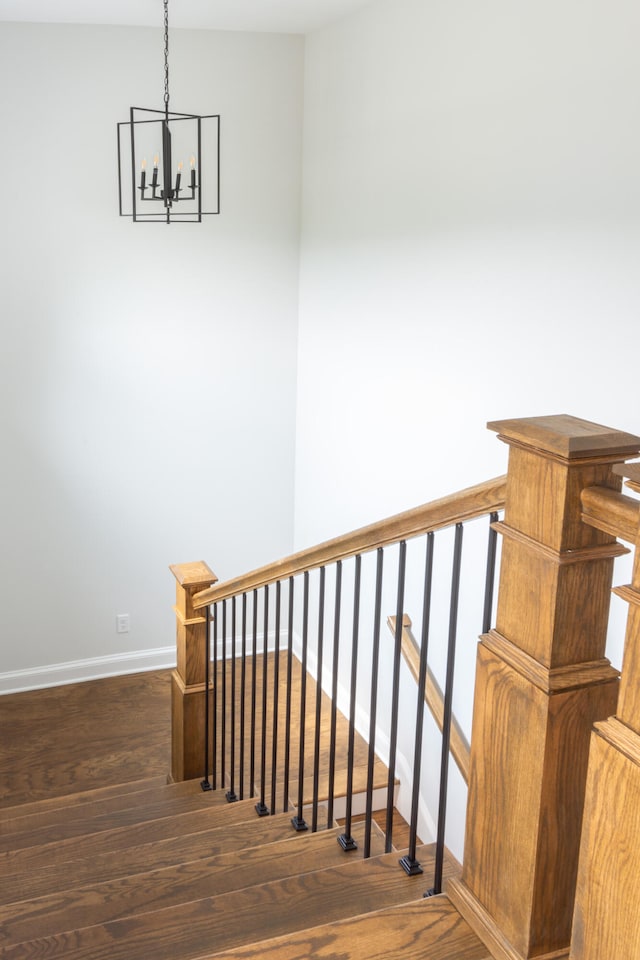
(122, 623)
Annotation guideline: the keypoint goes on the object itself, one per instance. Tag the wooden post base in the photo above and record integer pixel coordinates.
(607, 918)
(485, 927)
(188, 681)
(187, 729)
(534, 771)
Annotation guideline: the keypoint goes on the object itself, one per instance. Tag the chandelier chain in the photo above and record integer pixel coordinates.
(167, 193)
(166, 53)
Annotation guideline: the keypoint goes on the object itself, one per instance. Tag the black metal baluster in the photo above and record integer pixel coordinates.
(214, 736)
(373, 704)
(261, 808)
(491, 574)
(448, 706)
(345, 840)
(298, 821)
(206, 783)
(231, 795)
(287, 720)
(316, 745)
(243, 690)
(334, 696)
(409, 863)
(276, 685)
(252, 759)
(223, 724)
(395, 687)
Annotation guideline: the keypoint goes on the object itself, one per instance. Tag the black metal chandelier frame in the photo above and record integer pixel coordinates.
(163, 192)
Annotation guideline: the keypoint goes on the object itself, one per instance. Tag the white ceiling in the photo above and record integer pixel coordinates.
(280, 16)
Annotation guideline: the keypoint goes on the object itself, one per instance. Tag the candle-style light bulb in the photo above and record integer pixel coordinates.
(178, 178)
(143, 175)
(192, 164)
(156, 161)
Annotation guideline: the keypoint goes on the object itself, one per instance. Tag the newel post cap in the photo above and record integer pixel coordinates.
(567, 437)
(195, 574)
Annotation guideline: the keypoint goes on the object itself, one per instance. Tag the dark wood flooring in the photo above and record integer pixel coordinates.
(81, 736)
(66, 739)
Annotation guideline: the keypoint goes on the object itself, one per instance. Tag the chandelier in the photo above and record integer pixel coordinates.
(165, 192)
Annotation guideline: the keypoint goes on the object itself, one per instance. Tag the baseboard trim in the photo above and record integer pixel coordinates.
(95, 668)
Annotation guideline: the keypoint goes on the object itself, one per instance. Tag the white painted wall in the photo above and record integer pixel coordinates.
(470, 242)
(470, 250)
(147, 374)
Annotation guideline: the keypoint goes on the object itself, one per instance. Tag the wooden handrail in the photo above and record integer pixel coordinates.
(631, 473)
(433, 696)
(611, 512)
(467, 504)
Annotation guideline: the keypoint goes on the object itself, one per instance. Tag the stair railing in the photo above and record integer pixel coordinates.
(542, 682)
(308, 646)
(433, 695)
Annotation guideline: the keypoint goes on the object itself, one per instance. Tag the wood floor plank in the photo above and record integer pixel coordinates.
(68, 801)
(411, 931)
(84, 735)
(360, 772)
(122, 838)
(155, 890)
(134, 809)
(360, 747)
(38, 879)
(241, 917)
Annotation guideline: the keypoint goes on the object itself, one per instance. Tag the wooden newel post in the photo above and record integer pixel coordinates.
(542, 680)
(189, 678)
(607, 916)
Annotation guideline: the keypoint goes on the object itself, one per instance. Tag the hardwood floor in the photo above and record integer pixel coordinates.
(138, 868)
(64, 739)
(323, 745)
(60, 740)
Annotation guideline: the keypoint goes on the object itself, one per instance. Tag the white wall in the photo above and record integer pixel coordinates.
(147, 373)
(470, 242)
(470, 251)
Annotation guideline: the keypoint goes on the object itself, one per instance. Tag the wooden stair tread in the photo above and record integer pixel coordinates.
(155, 806)
(37, 879)
(195, 880)
(201, 927)
(69, 800)
(44, 813)
(411, 931)
(360, 776)
(121, 838)
(360, 773)
(360, 747)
